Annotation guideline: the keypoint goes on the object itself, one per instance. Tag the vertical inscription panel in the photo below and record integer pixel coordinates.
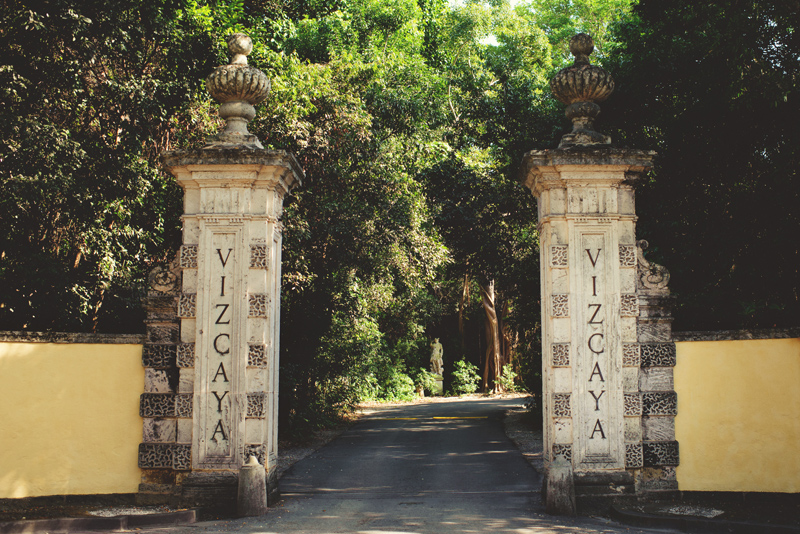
(217, 429)
(597, 401)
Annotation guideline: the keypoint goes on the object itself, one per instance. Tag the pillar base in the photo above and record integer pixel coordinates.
(560, 489)
(213, 491)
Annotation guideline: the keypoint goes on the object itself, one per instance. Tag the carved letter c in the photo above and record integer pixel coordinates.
(221, 353)
(590, 343)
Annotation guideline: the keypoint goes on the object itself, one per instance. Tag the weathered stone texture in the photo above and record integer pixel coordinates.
(258, 305)
(560, 354)
(660, 453)
(159, 356)
(558, 256)
(562, 406)
(632, 404)
(633, 455)
(659, 428)
(258, 256)
(658, 354)
(185, 355)
(560, 306)
(656, 379)
(662, 403)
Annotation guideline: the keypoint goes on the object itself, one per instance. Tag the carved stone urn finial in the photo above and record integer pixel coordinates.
(581, 86)
(237, 87)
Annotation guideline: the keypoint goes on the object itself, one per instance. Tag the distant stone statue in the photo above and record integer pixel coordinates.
(436, 357)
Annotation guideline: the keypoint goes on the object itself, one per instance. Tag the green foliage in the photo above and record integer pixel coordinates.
(561, 19)
(426, 380)
(91, 93)
(465, 378)
(507, 380)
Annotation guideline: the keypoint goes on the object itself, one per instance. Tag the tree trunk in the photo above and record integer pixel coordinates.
(492, 366)
(510, 339)
(461, 305)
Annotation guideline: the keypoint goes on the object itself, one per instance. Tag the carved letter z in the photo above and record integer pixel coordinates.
(224, 309)
(597, 309)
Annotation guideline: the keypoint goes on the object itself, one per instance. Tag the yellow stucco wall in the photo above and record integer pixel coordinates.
(70, 418)
(738, 420)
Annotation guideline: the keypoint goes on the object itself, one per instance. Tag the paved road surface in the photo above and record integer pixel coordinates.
(440, 467)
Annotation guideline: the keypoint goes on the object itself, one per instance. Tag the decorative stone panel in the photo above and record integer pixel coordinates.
(631, 355)
(562, 451)
(187, 305)
(165, 405)
(258, 305)
(257, 355)
(189, 257)
(662, 403)
(165, 456)
(651, 275)
(182, 457)
(658, 355)
(157, 405)
(162, 334)
(629, 306)
(185, 357)
(627, 256)
(559, 256)
(634, 457)
(164, 280)
(560, 354)
(256, 449)
(155, 455)
(561, 405)
(256, 405)
(258, 256)
(658, 453)
(183, 405)
(158, 356)
(632, 404)
(560, 306)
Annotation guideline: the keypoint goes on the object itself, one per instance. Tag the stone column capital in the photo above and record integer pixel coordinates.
(221, 167)
(557, 168)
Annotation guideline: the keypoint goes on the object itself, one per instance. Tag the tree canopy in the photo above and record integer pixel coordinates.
(410, 118)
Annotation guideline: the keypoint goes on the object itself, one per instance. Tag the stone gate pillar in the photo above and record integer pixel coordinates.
(227, 354)
(590, 302)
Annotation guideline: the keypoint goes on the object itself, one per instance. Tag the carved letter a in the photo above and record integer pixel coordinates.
(598, 428)
(219, 429)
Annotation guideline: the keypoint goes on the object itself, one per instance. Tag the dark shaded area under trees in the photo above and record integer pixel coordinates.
(410, 118)
(715, 89)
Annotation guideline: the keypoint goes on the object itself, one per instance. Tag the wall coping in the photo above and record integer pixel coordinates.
(71, 337)
(722, 335)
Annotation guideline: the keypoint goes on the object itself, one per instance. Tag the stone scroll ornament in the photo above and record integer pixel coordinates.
(580, 86)
(164, 280)
(650, 275)
(238, 87)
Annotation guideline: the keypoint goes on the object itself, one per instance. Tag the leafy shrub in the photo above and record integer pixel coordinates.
(426, 379)
(506, 379)
(465, 378)
(397, 386)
